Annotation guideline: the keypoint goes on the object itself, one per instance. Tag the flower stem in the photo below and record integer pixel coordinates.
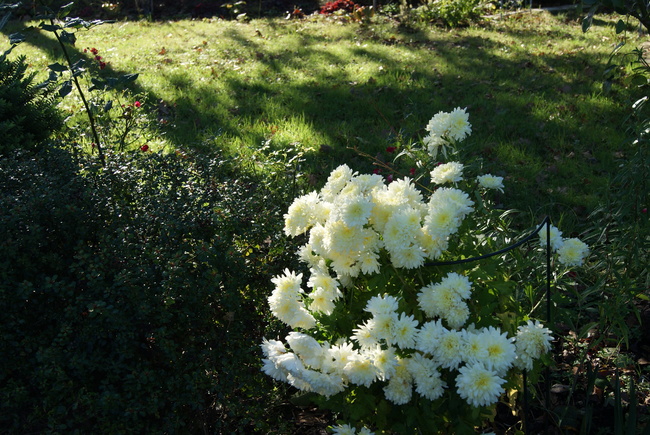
(91, 118)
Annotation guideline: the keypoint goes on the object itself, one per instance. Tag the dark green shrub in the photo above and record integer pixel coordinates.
(28, 114)
(133, 295)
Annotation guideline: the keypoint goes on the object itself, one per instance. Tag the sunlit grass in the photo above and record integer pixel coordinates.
(531, 83)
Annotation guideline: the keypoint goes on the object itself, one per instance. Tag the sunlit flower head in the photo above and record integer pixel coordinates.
(451, 172)
(405, 331)
(303, 213)
(479, 386)
(343, 429)
(336, 181)
(449, 350)
(573, 252)
(428, 338)
(489, 181)
(500, 350)
(384, 304)
(360, 370)
(532, 341)
(385, 360)
(305, 346)
(555, 236)
(364, 336)
(400, 387)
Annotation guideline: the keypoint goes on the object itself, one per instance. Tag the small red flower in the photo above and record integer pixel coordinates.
(376, 171)
(144, 148)
(390, 150)
(645, 210)
(102, 65)
(137, 104)
(412, 171)
(94, 51)
(389, 178)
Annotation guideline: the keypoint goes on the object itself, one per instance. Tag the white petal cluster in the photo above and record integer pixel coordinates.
(445, 129)
(571, 251)
(410, 342)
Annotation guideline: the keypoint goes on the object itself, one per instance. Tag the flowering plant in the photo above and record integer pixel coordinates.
(388, 334)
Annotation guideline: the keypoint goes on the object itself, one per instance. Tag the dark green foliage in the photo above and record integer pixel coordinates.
(131, 295)
(28, 115)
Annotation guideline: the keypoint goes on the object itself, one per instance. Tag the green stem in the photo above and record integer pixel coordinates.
(91, 118)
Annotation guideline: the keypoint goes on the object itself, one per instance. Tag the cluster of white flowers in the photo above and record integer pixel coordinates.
(445, 129)
(354, 226)
(481, 356)
(571, 252)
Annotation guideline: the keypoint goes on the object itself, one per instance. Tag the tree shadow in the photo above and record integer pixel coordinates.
(397, 99)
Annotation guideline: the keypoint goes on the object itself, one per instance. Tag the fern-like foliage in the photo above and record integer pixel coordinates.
(28, 113)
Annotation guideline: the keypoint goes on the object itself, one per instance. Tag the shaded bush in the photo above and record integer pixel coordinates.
(27, 113)
(130, 295)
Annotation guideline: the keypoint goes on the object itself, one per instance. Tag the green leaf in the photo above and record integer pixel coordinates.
(16, 38)
(68, 37)
(66, 88)
(57, 67)
(50, 27)
(620, 26)
(65, 10)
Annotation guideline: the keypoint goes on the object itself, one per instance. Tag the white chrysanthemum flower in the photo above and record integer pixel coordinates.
(453, 125)
(326, 384)
(451, 172)
(364, 336)
(531, 342)
(459, 126)
(459, 284)
(489, 181)
(343, 429)
(271, 369)
(573, 252)
(306, 255)
(306, 347)
(288, 282)
(434, 143)
(478, 385)
(360, 370)
(336, 181)
(341, 354)
(382, 326)
(342, 239)
(400, 387)
(426, 376)
(354, 211)
(402, 228)
(433, 246)
(299, 383)
(303, 213)
(474, 349)
(449, 349)
(286, 301)
(442, 220)
(407, 257)
(403, 191)
(501, 351)
(405, 331)
(457, 315)
(289, 362)
(555, 236)
(272, 348)
(428, 337)
(385, 360)
(384, 304)
(321, 301)
(457, 197)
(369, 262)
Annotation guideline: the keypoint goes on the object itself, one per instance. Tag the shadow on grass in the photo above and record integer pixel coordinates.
(537, 117)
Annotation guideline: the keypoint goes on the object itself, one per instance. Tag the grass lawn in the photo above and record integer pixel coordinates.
(532, 83)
